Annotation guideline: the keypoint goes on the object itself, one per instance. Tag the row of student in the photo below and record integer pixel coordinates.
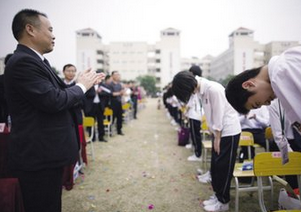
(249, 90)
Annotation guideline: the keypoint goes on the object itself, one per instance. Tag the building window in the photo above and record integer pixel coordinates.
(158, 51)
(158, 70)
(170, 33)
(99, 61)
(99, 52)
(158, 60)
(158, 79)
(85, 34)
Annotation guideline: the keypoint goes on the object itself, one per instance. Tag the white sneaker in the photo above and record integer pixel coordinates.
(218, 206)
(188, 146)
(211, 201)
(204, 175)
(194, 158)
(205, 178)
(200, 171)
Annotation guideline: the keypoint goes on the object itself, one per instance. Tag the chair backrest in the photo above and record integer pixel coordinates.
(270, 163)
(246, 139)
(126, 106)
(108, 112)
(204, 125)
(268, 133)
(88, 122)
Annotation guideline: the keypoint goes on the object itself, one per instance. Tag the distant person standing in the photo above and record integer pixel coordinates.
(224, 124)
(134, 97)
(116, 101)
(69, 72)
(43, 133)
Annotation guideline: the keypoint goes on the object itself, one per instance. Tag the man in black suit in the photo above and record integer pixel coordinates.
(43, 134)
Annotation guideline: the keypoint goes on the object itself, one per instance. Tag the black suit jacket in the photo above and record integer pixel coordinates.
(43, 131)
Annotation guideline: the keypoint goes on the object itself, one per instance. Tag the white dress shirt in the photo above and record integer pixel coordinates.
(285, 76)
(194, 108)
(220, 115)
(260, 121)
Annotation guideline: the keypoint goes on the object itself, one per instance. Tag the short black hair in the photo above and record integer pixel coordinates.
(25, 16)
(236, 95)
(183, 85)
(68, 65)
(196, 70)
(107, 76)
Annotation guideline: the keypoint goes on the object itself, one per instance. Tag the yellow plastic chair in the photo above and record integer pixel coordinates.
(268, 136)
(89, 122)
(269, 164)
(207, 144)
(108, 121)
(246, 140)
(126, 107)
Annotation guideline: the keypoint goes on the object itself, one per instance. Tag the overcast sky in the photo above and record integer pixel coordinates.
(204, 24)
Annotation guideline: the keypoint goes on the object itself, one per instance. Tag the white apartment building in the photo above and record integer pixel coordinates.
(204, 63)
(242, 54)
(277, 47)
(131, 59)
(245, 53)
(167, 56)
(90, 51)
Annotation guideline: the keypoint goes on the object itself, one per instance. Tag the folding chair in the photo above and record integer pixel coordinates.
(207, 144)
(246, 140)
(268, 136)
(107, 121)
(126, 112)
(269, 164)
(89, 122)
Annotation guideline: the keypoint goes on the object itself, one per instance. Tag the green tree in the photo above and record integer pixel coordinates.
(148, 83)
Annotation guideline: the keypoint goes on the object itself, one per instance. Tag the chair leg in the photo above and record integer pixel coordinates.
(236, 194)
(260, 195)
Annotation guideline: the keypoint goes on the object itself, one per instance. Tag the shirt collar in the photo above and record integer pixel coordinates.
(41, 56)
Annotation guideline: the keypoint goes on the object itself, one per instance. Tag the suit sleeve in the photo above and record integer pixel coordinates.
(34, 82)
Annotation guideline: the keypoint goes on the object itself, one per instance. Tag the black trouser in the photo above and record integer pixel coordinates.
(41, 190)
(117, 113)
(135, 106)
(97, 112)
(222, 167)
(195, 134)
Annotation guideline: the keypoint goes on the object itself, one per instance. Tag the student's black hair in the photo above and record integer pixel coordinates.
(236, 95)
(24, 17)
(196, 70)
(183, 85)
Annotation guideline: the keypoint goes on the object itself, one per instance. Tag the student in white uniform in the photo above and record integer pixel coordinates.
(193, 112)
(223, 122)
(195, 115)
(280, 78)
(293, 139)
